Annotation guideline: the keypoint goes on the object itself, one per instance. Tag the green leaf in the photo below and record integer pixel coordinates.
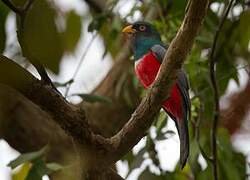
(72, 33)
(54, 167)
(28, 157)
(178, 7)
(19, 3)
(138, 159)
(37, 171)
(13, 75)
(244, 29)
(165, 135)
(207, 174)
(161, 122)
(91, 98)
(147, 175)
(232, 165)
(3, 15)
(117, 23)
(58, 84)
(193, 158)
(22, 173)
(39, 37)
(129, 157)
(97, 23)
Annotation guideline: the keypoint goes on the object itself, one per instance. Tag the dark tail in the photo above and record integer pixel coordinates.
(182, 128)
(181, 119)
(182, 123)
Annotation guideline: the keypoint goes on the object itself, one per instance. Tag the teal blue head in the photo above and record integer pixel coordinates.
(143, 36)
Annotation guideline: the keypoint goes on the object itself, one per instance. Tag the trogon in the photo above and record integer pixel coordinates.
(149, 52)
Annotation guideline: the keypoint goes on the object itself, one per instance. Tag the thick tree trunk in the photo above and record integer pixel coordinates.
(27, 128)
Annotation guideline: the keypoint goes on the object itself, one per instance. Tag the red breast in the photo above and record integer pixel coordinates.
(146, 69)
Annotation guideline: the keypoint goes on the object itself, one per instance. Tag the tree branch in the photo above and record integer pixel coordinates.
(97, 5)
(28, 5)
(73, 120)
(12, 7)
(197, 134)
(27, 128)
(216, 92)
(18, 10)
(22, 12)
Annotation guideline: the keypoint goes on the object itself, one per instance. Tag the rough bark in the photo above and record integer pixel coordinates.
(95, 150)
(27, 128)
(73, 120)
(21, 119)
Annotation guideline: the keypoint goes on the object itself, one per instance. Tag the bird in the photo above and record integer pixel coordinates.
(149, 50)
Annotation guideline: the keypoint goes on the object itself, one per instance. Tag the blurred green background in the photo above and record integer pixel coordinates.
(81, 45)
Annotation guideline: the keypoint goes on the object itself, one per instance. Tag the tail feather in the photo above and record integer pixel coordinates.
(178, 108)
(184, 141)
(182, 124)
(182, 128)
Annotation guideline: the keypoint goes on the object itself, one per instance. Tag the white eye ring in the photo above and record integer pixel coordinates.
(142, 28)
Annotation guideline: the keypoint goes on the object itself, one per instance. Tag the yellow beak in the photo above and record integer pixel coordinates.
(128, 29)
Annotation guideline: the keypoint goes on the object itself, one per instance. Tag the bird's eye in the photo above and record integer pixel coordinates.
(142, 28)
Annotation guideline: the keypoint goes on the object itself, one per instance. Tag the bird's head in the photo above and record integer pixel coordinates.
(143, 35)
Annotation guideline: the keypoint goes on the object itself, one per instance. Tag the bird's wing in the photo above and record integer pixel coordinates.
(182, 125)
(159, 51)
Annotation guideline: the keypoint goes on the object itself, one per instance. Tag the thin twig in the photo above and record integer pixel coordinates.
(80, 64)
(28, 5)
(202, 91)
(197, 135)
(72, 119)
(216, 92)
(12, 7)
(19, 10)
(248, 69)
(22, 12)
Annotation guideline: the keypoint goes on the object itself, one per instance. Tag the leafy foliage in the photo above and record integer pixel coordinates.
(22, 172)
(43, 39)
(39, 36)
(34, 167)
(72, 33)
(232, 45)
(28, 157)
(6, 67)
